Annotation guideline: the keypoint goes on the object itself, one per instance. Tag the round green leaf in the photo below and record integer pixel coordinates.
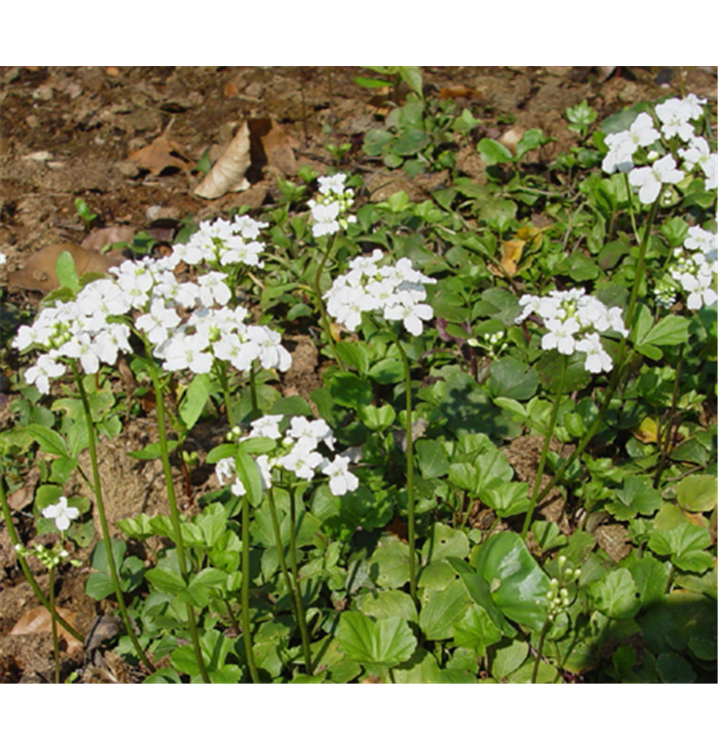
(697, 493)
(517, 584)
(350, 390)
(385, 643)
(617, 596)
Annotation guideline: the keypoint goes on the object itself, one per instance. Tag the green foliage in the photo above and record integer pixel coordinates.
(452, 561)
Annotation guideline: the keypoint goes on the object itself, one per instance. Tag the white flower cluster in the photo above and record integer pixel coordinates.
(329, 210)
(574, 320)
(87, 328)
(397, 292)
(297, 452)
(696, 271)
(675, 117)
(224, 243)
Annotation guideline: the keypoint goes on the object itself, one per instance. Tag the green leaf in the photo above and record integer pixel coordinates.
(99, 586)
(674, 669)
(685, 544)
(445, 542)
(530, 140)
(697, 493)
(377, 418)
(248, 474)
(200, 586)
(432, 458)
(517, 584)
(349, 390)
(512, 379)
(493, 152)
(98, 558)
(66, 272)
(152, 451)
(194, 399)
(165, 580)
(647, 337)
(476, 630)
(387, 371)
(412, 76)
(384, 604)
(389, 565)
(478, 590)
(386, 643)
(616, 595)
(48, 440)
(507, 499)
(355, 354)
(442, 610)
(637, 496)
(465, 476)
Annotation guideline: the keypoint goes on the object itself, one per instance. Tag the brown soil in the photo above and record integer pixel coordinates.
(67, 133)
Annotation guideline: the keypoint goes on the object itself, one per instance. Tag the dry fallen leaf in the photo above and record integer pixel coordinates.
(228, 173)
(510, 258)
(39, 274)
(458, 92)
(605, 71)
(38, 620)
(270, 145)
(162, 154)
(647, 431)
(100, 238)
(26, 494)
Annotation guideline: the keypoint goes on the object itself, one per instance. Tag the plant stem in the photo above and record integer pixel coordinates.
(301, 615)
(620, 359)
(545, 449)
(294, 594)
(246, 622)
(665, 441)
(410, 512)
(174, 512)
(7, 515)
(53, 616)
(539, 651)
(97, 489)
(320, 304)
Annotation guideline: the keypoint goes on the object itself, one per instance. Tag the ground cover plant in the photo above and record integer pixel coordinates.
(377, 530)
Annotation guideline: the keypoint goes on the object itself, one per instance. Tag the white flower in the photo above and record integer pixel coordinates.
(3, 259)
(597, 360)
(333, 184)
(267, 426)
(212, 288)
(623, 145)
(302, 459)
(325, 217)
(341, 480)
(316, 429)
(159, 322)
(700, 288)
(183, 351)
(271, 351)
(45, 368)
(560, 336)
(675, 115)
(574, 320)
(650, 180)
(61, 513)
(397, 292)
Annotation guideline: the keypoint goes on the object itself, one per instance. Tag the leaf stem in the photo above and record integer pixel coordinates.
(320, 304)
(97, 488)
(174, 512)
(7, 514)
(410, 503)
(545, 449)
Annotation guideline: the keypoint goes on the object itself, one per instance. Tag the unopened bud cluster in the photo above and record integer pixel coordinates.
(558, 597)
(50, 558)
